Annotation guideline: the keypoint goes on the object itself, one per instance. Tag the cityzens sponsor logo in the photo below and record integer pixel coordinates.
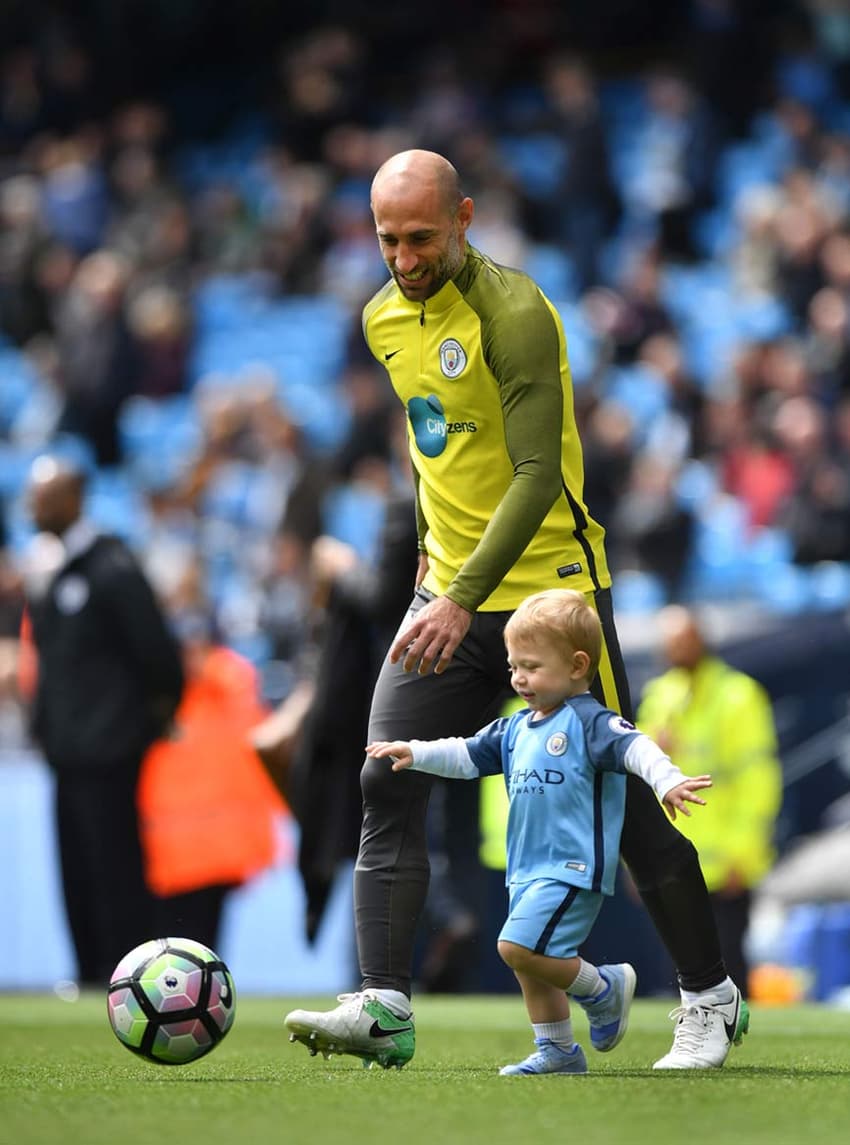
(430, 426)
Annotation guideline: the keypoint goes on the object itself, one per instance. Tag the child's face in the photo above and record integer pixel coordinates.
(544, 675)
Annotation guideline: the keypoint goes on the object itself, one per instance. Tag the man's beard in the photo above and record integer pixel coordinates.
(445, 268)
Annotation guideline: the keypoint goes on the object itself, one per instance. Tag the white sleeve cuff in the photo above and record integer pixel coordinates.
(645, 758)
(447, 757)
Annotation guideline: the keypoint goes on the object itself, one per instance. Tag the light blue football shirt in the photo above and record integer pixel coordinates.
(566, 781)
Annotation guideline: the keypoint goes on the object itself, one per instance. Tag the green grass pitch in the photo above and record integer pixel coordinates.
(64, 1078)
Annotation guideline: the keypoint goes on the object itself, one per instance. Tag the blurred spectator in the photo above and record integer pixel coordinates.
(678, 142)
(207, 806)
(363, 603)
(631, 311)
(159, 321)
(585, 207)
(75, 198)
(11, 610)
(98, 356)
(709, 716)
(228, 239)
(651, 530)
(730, 58)
(447, 105)
(607, 435)
(758, 472)
(816, 512)
(21, 99)
(320, 79)
(827, 344)
(108, 682)
(754, 257)
(23, 236)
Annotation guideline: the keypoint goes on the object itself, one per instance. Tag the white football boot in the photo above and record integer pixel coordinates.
(705, 1032)
(361, 1025)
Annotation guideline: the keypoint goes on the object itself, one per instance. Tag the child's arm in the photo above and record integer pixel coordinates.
(397, 750)
(447, 757)
(645, 758)
(683, 793)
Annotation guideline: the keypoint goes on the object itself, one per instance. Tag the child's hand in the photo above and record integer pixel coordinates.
(683, 793)
(396, 750)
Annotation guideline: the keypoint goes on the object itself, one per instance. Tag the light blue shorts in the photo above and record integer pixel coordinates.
(550, 918)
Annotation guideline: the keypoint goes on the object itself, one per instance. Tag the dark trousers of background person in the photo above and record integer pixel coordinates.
(732, 913)
(107, 902)
(194, 914)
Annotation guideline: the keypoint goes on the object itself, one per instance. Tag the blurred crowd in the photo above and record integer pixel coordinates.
(179, 299)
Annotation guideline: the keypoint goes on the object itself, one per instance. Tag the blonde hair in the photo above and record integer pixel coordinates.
(564, 618)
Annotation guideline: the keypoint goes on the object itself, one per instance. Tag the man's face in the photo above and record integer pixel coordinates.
(422, 241)
(52, 507)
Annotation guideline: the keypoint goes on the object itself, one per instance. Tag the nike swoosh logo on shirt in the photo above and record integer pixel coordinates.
(393, 354)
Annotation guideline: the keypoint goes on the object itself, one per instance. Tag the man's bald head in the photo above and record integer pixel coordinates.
(411, 171)
(681, 637)
(421, 219)
(56, 490)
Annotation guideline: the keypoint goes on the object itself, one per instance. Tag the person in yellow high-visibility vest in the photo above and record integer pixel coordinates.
(708, 716)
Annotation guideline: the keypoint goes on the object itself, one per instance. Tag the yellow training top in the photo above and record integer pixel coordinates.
(482, 371)
(719, 720)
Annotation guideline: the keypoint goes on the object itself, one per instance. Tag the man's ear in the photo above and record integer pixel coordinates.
(465, 212)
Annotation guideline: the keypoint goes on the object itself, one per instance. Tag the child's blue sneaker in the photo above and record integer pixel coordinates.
(608, 1015)
(549, 1058)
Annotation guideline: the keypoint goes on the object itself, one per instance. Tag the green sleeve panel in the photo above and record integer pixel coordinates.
(522, 350)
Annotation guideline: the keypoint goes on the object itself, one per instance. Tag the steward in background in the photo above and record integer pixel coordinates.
(107, 683)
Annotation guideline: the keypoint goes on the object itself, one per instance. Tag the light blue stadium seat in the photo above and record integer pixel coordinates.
(355, 514)
(745, 165)
(786, 589)
(553, 271)
(767, 548)
(17, 381)
(636, 592)
(641, 391)
(536, 161)
(15, 462)
(719, 566)
(115, 505)
(582, 342)
(159, 437)
(696, 484)
(830, 585)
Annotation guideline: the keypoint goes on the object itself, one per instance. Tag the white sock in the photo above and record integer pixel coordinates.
(394, 1000)
(561, 1033)
(588, 984)
(720, 994)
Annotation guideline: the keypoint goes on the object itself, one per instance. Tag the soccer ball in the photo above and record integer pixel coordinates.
(171, 1000)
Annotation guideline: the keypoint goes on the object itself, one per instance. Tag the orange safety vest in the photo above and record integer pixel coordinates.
(208, 810)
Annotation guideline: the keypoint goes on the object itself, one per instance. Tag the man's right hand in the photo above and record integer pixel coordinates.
(431, 636)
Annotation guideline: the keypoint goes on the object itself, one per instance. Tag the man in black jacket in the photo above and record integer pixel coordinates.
(109, 681)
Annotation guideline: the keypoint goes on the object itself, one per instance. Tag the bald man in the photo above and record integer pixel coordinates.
(477, 356)
(702, 709)
(109, 680)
